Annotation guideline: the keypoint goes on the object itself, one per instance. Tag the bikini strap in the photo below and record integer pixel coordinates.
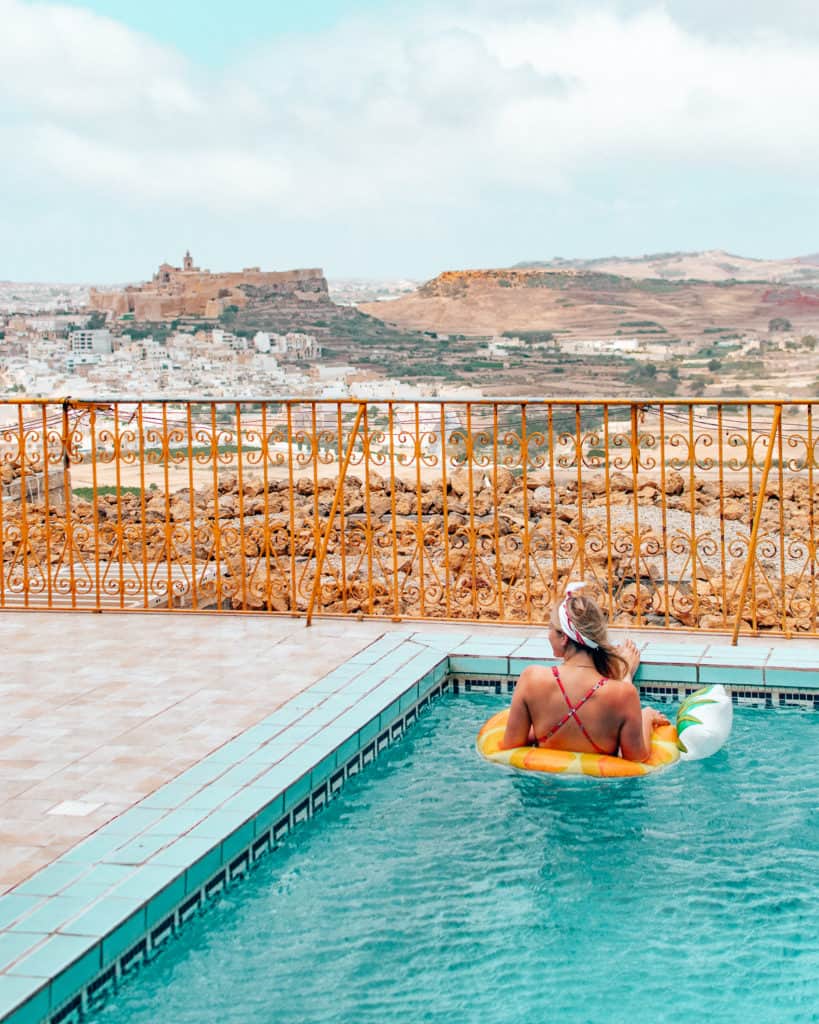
(573, 709)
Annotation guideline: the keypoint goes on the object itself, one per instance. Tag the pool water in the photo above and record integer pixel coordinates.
(442, 888)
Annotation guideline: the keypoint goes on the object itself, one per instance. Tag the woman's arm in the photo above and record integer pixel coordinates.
(519, 723)
(636, 730)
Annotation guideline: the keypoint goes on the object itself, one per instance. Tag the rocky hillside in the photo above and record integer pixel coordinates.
(591, 303)
(713, 265)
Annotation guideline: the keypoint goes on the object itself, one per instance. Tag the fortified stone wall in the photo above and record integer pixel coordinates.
(174, 292)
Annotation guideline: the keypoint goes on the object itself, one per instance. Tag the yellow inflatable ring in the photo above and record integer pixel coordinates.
(664, 752)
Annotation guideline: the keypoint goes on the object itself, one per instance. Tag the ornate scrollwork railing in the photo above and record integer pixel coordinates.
(680, 514)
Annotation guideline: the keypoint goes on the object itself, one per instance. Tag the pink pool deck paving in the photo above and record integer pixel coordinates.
(99, 711)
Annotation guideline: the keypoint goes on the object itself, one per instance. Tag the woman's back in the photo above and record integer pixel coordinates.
(589, 703)
(573, 707)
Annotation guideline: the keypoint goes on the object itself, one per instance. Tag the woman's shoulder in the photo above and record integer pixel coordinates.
(534, 674)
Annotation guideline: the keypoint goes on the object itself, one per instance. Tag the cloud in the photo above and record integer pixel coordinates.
(429, 109)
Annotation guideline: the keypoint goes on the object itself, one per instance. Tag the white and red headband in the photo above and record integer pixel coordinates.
(566, 624)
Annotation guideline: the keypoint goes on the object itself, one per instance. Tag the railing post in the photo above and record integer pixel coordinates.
(746, 574)
(339, 492)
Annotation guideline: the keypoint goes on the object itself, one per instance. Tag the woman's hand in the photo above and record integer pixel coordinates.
(654, 718)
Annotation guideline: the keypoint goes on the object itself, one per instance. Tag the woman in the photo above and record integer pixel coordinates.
(588, 703)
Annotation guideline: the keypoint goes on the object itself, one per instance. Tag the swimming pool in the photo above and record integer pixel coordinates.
(442, 888)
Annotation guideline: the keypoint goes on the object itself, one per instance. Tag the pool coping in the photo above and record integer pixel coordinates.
(72, 930)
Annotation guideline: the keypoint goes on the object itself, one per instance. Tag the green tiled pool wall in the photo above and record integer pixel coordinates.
(748, 695)
(71, 966)
(75, 929)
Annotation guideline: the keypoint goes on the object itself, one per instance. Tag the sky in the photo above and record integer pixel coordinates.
(383, 139)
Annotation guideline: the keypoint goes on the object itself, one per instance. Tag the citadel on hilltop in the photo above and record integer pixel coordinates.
(190, 291)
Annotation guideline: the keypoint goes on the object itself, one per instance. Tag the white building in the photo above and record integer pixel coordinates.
(98, 341)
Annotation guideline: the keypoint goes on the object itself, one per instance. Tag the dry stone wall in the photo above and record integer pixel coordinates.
(479, 545)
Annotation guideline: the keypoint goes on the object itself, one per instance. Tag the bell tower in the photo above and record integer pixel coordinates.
(187, 263)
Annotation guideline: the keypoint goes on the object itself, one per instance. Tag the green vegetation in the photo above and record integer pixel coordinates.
(87, 493)
(779, 323)
(534, 337)
(96, 321)
(228, 315)
(641, 323)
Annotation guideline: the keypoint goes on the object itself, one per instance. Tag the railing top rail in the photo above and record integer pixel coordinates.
(386, 400)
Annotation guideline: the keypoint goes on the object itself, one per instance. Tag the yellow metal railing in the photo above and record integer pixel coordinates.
(682, 514)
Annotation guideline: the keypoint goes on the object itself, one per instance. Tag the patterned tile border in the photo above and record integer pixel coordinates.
(75, 929)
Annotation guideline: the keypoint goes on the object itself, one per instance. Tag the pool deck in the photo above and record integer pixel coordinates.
(124, 737)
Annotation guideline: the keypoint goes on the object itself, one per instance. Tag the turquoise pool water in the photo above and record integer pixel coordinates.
(441, 888)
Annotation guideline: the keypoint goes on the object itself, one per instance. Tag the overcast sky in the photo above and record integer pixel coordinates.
(388, 139)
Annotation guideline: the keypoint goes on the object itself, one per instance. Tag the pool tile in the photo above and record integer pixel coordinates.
(357, 688)
(283, 716)
(165, 901)
(409, 698)
(534, 648)
(77, 974)
(347, 749)
(138, 851)
(241, 774)
(203, 868)
(48, 881)
(369, 731)
(132, 822)
(660, 673)
(218, 825)
(52, 913)
(791, 659)
(728, 656)
(269, 814)
(441, 641)
(802, 679)
(170, 795)
(177, 822)
(14, 904)
(98, 880)
(188, 852)
(296, 792)
(247, 801)
(58, 953)
(275, 780)
(486, 649)
(201, 774)
(478, 666)
(117, 922)
(238, 840)
(22, 1000)
(324, 713)
(302, 760)
(370, 706)
(517, 665)
(14, 944)
(389, 714)
(161, 887)
(92, 850)
(322, 770)
(677, 656)
(210, 796)
(336, 680)
(739, 675)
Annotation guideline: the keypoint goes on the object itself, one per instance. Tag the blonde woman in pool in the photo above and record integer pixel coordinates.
(589, 703)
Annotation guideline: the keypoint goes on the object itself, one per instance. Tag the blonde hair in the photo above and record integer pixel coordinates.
(589, 620)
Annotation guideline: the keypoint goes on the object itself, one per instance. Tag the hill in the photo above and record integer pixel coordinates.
(712, 265)
(579, 302)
